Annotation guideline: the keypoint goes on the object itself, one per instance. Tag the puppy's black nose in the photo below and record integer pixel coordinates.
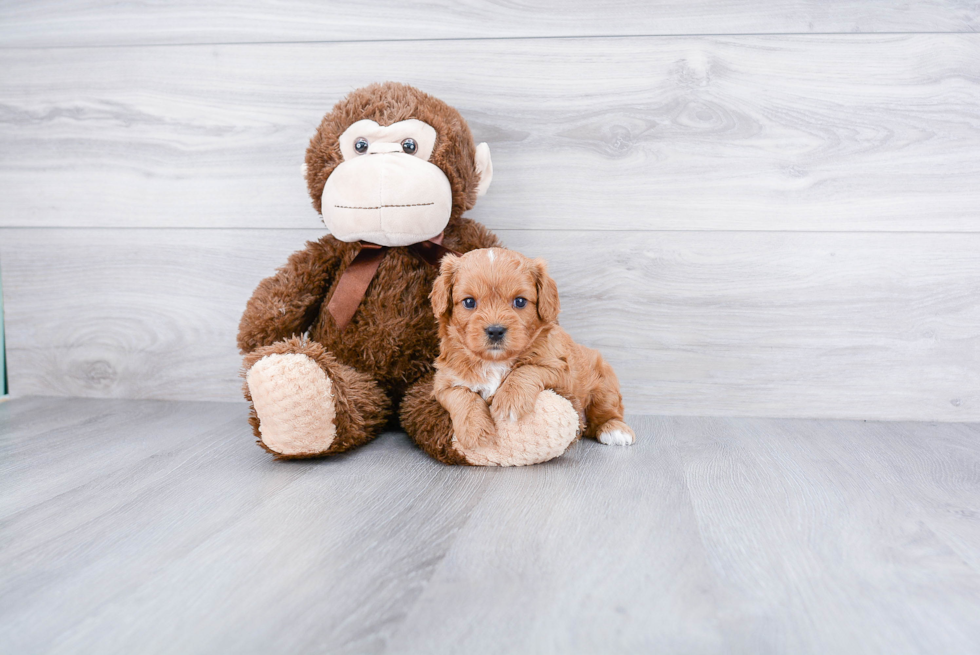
(496, 333)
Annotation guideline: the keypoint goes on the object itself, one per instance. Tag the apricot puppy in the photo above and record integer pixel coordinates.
(500, 346)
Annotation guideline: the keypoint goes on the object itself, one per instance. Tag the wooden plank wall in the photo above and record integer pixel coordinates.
(3, 349)
(751, 208)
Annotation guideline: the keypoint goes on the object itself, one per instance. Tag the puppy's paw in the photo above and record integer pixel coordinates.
(476, 432)
(512, 403)
(545, 433)
(616, 433)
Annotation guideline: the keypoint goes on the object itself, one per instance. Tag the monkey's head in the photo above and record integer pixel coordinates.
(394, 166)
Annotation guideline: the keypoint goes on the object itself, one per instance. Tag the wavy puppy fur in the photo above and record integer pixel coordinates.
(501, 346)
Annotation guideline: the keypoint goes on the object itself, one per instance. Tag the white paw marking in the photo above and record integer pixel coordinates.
(616, 438)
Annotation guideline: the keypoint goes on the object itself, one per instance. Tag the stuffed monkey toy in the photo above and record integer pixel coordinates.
(342, 339)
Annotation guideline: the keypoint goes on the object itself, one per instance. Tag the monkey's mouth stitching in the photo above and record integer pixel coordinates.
(418, 204)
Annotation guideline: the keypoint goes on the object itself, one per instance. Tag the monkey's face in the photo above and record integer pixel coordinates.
(392, 165)
(386, 191)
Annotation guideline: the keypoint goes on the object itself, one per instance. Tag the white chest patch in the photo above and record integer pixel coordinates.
(493, 375)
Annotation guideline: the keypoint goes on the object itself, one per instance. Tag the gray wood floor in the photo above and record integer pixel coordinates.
(151, 526)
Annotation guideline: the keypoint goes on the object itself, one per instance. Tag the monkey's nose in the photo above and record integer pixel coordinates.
(496, 333)
(379, 148)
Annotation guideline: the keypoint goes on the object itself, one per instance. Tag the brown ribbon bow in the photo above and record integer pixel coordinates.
(356, 278)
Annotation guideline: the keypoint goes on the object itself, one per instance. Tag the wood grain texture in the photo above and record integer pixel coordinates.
(709, 536)
(3, 350)
(741, 323)
(718, 535)
(592, 554)
(52, 23)
(309, 553)
(768, 493)
(803, 133)
(61, 463)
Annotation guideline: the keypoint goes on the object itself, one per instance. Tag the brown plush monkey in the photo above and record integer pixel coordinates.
(343, 336)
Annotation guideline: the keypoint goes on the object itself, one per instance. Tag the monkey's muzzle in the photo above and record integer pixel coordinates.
(388, 198)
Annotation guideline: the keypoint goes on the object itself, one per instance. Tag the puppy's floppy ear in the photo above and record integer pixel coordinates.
(442, 289)
(548, 303)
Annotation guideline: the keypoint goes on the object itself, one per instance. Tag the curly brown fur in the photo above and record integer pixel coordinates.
(389, 103)
(392, 337)
(429, 423)
(391, 342)
(289, 301)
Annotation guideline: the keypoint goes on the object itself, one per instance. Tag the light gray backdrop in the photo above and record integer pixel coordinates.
(751, 208)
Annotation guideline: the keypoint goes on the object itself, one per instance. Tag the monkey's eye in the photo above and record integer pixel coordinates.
(469, 303)
(409, 146)
(361, 145)
(520, 302)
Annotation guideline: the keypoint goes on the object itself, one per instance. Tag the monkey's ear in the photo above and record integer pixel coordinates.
(441, 296)
(548, 303)
(484, 168)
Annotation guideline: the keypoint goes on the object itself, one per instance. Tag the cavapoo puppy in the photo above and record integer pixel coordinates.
(500, 346)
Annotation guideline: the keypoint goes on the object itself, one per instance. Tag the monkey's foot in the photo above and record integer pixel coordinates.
(294, 400)
(543, 434)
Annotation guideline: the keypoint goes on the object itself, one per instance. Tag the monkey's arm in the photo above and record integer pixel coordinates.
(472, 423)
(288, 302)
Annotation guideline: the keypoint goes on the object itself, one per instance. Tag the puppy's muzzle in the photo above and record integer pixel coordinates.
(496, 333)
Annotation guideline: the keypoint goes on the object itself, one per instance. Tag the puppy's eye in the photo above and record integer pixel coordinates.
(409, 146)
(469, 303)
(520, 302)
(361, 145)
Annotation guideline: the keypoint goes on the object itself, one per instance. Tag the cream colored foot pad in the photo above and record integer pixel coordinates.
(543, 434)
(294, 400)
